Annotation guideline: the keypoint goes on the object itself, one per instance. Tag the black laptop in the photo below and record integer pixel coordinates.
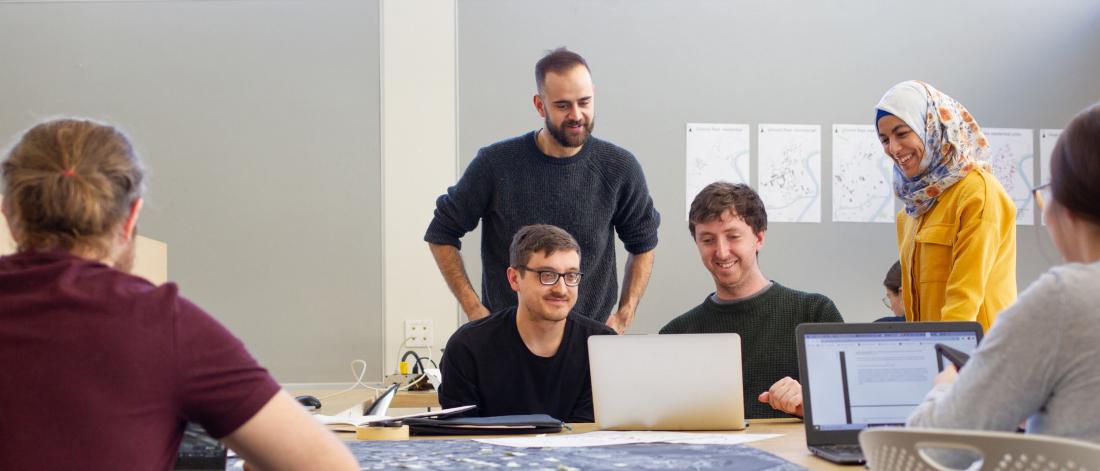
(856, 376)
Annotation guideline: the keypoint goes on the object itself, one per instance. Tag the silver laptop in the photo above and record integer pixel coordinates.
(856, 376)
(667, 382)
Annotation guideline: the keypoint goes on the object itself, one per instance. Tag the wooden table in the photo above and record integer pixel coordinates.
(791, 445)
(333, 404)
(415, 400)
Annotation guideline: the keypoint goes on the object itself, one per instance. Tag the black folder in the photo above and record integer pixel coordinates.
(498, 425)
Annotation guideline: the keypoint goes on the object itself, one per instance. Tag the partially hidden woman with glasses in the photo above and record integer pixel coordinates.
(892, 300)
(957, 233)
(1039, 362)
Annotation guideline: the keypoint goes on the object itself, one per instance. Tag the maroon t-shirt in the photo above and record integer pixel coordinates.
(100, 369)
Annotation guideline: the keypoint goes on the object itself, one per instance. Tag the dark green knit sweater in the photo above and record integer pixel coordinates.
(766, 325)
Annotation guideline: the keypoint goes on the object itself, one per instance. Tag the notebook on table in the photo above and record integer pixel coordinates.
(667, 382)
(856, 376)
(347, 420)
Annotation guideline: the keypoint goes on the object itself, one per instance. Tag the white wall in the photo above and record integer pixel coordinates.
(419, 161)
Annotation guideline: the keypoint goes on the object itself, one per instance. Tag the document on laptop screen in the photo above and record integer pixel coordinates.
(864, 379)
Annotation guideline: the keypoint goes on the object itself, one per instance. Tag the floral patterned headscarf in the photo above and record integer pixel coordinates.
(953, 142)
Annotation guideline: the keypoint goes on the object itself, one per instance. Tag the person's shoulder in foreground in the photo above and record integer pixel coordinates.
(1035, 365)
(1038, 362)
(118, 363)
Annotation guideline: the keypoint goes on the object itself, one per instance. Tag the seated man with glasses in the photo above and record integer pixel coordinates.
(531, 358)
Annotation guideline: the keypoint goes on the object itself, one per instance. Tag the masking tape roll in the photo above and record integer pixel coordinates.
(382, 433)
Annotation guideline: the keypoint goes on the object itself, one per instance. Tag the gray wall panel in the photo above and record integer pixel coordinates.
(260, 122)
(658, 64)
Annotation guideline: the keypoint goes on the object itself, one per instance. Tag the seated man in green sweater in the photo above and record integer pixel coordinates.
(728, 222)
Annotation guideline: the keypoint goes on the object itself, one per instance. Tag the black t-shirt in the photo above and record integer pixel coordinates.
(487, 364)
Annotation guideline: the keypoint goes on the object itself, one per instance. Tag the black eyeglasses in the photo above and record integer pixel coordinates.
(1042, 194)
(550, 277)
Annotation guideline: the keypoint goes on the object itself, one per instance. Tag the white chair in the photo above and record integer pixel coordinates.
(904, 449)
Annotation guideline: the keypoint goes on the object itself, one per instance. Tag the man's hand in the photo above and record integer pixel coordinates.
(947, 376)
(454, 273)
(785, 395)
(620, 320)
(638, 268)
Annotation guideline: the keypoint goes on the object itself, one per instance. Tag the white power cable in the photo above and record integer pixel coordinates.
(362, 373)
(358, 380)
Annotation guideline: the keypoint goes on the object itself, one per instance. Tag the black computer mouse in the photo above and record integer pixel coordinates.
(309, 402)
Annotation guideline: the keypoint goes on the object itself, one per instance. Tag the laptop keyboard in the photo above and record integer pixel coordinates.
(199, 451)
(844, 454)
(841, 449)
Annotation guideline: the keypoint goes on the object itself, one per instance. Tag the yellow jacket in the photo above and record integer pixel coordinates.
(958, 260)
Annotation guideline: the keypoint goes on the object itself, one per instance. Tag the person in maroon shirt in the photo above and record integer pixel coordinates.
(102, 369)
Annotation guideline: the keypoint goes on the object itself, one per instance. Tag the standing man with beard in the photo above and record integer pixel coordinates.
(558, 175)
(532, 358)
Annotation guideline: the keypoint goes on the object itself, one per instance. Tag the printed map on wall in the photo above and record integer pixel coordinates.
(1012, 153)
(1047, 139)
(790, 172)
(715, 152)
(862, 176)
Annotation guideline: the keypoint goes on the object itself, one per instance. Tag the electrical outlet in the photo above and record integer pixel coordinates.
(418, 333)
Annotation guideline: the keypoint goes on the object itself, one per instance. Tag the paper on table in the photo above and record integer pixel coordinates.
(349, 420)
(728, 439)
(607, 437)
(368, 419)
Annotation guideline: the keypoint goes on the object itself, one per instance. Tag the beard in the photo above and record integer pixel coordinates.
(563, 138)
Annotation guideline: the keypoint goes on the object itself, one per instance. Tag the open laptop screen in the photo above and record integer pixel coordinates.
(667, 382)
(862, 379)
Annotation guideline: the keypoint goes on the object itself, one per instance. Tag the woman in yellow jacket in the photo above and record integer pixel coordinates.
(957, 233)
